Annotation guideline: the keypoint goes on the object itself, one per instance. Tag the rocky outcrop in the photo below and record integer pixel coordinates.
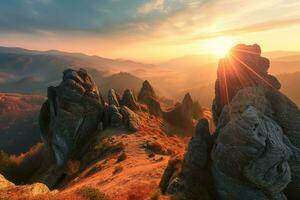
(255, 150)
(146, 93)
(128, 99)
(191, 178)
(115, 117)
(130, 119)
(148, 97)
(243, 67)
(70, 114)
(183, 114)
(113, 98)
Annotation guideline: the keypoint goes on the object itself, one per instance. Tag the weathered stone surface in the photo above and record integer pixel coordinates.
(192, 178)
(243, 67)
(115, 117)
(256, 153)
(251, 144)
(71, 113)
(113, 98)
(130, 119)
(198, 153)
(128, 99)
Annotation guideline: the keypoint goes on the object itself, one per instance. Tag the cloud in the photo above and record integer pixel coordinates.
(264, 26)
(151, 6)
(168, 20)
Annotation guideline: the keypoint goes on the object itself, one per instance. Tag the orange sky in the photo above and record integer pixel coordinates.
(153, 30)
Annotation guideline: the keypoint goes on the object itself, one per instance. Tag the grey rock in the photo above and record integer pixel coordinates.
(130, 119)
(250, 150)
(192, 178)
(199, 147)
(115, 117)
(243, 67)
(113, 98)
(71, 113)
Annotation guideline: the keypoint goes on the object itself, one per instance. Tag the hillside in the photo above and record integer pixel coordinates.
(19, 128)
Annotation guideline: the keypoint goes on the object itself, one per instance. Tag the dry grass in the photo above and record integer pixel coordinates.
(92, 193)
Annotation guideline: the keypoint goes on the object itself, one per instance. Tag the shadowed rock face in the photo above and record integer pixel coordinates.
(148, 97)
(71, 113)
(256, 146)
(183, 113)
(243, 67)
(191, 176)
(128, 99)
(113, 98)
(146, 93)
(256, 151)
(250, 150)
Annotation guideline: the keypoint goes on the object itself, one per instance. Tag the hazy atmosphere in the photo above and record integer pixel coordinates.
(149, 100)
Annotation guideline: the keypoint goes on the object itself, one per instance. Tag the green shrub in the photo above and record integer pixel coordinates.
(92, 193)
(155, 195)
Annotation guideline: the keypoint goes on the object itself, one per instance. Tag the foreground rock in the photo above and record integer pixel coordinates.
(9, 190)
(71, 114)
(256, 151)
(191, 178)
(243, 67)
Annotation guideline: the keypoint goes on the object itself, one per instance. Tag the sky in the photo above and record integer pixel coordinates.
(149, 30)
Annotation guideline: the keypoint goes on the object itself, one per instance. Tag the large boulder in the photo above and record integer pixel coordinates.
(256, 154)
(250, 154)
(191, 178)
(70, 114)
(243, 67)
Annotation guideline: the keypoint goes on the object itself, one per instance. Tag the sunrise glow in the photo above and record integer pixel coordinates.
(220, 46)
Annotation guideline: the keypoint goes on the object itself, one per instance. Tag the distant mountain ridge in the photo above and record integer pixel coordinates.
(30, 71)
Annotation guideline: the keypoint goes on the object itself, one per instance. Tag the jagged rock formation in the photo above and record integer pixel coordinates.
(183, 113)
(75, 111)
(146, 92)
(115, 117)
(148, 97)
(243, 67)
(256, 146)
(130, 119)
(191, 178)
(128, 99)
(71, 113)
(113, 98)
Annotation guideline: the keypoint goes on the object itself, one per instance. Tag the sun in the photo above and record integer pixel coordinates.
(219, 46)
